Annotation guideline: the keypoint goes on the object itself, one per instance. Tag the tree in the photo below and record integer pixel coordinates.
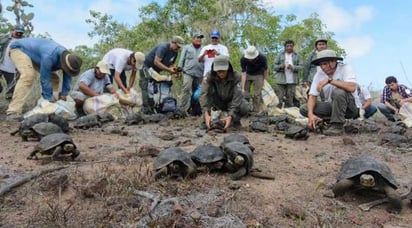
(22, 18)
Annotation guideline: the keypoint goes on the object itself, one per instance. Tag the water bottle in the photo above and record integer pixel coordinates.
(196, 94)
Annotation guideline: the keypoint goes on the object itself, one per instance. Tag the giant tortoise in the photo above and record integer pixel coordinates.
(55, 145)
(371, 174)
(28, 123)
(39, 130)
(209, 156)
(174, 162)
(239, 157)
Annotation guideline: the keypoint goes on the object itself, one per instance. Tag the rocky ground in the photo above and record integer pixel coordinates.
(111, 183)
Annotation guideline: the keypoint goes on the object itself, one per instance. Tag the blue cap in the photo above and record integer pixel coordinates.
(19, 28)
(215, 34)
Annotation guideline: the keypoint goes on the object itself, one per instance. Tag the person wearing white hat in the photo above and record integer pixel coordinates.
(310, 69)
(338, 83)
(254, 71)
(121, 60)
(92, 83)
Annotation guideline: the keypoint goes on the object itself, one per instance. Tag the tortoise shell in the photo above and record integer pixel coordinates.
(205, 154)
(173, 154)
(358, 165)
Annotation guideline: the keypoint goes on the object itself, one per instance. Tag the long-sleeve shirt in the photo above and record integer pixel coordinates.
(256, 66)
(46, 54)
(189, 62)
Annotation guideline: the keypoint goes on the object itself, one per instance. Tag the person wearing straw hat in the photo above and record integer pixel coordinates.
(287, 66)
(46, 56)
(254, 71)
(161, 58)
(7, 68)
(338, 82)
(121, 60)
(92, 83)
(220, 91)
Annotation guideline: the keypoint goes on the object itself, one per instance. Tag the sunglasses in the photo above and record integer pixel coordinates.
(215, 38)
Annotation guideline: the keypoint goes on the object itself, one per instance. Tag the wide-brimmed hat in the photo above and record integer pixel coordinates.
(325, 55)
(70, 63)
(178, 40)
(103, 67)
(321, 39)
(221, 62)
(139, 57)
(251, 52)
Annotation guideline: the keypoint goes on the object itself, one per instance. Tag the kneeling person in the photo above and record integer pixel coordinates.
(221, 91)
(92, 83)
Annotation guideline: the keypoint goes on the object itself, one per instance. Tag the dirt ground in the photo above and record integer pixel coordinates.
(111, 183)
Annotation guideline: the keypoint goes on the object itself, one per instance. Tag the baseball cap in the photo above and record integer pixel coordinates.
(198, 35)
(221, 62)
(103, 67)
(19, 28)
(215, 34)
(178, 40)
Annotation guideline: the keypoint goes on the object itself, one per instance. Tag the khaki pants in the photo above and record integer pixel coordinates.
(24, 85)
(257, 81)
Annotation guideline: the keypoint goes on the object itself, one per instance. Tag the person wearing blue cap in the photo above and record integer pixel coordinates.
(7, 68)
(210, 51)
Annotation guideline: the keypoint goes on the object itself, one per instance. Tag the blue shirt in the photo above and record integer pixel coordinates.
(46, 54)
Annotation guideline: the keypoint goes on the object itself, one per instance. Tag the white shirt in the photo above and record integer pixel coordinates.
(362, 94)
(288, 72)
(343, 73)
(220, 48)
(7, 65)
(117, 59)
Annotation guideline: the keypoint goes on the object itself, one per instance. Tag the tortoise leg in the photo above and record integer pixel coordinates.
(24, 138)
(75, 153)
(32, 155)
(190, 172)
(342, 186)
(394, 200)
(238, 174)
(57, 151)
(160, 173)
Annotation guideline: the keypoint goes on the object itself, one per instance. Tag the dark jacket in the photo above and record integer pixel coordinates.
(280, 77)
(222, 95)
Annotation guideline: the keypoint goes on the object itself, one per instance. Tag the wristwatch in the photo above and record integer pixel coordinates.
(330, 80)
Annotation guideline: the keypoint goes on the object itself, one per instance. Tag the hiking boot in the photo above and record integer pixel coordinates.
(236, 124)
(334, 130)
(14, 117)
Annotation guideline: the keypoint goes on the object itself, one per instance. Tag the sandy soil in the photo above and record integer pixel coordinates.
(111, 183)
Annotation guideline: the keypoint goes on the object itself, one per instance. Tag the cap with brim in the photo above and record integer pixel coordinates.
(178, 40)
(221, 62)
(139, 57)
(325, 55)
(70, 63)
(19, 28)
(251, 52)
(103, 67)
(198, 35)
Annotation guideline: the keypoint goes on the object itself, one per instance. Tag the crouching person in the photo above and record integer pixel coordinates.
(338, 83)
(90, 84)
(221, 91)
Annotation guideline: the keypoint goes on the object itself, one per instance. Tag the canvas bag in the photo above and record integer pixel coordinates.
(99, 104)
(268, 95)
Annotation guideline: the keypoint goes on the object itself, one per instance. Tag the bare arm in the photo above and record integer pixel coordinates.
(243, 81)
(132, 79)
(119, 82)
(367, 103)
(160, 65)
(312, 118)
(86, 90)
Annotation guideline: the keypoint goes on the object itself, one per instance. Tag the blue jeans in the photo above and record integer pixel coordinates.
(370, 111)
(386, 111)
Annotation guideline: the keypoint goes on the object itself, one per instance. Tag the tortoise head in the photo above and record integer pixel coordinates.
(28, 133)
(367, 180)
(68, 147)
(239, 160)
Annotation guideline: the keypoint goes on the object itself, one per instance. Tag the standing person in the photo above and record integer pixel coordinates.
(310, 69)
(7, 68)
(92, 83)
(121, 60)
(364, 102)
(287, 66)
(160, 58)
(30, 54)
(192, 69)
(220, 91)
(210, 51)
(393, 97)
(254, 71)
(338, 82)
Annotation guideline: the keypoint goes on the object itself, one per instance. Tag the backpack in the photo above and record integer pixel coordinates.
(161, 95)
